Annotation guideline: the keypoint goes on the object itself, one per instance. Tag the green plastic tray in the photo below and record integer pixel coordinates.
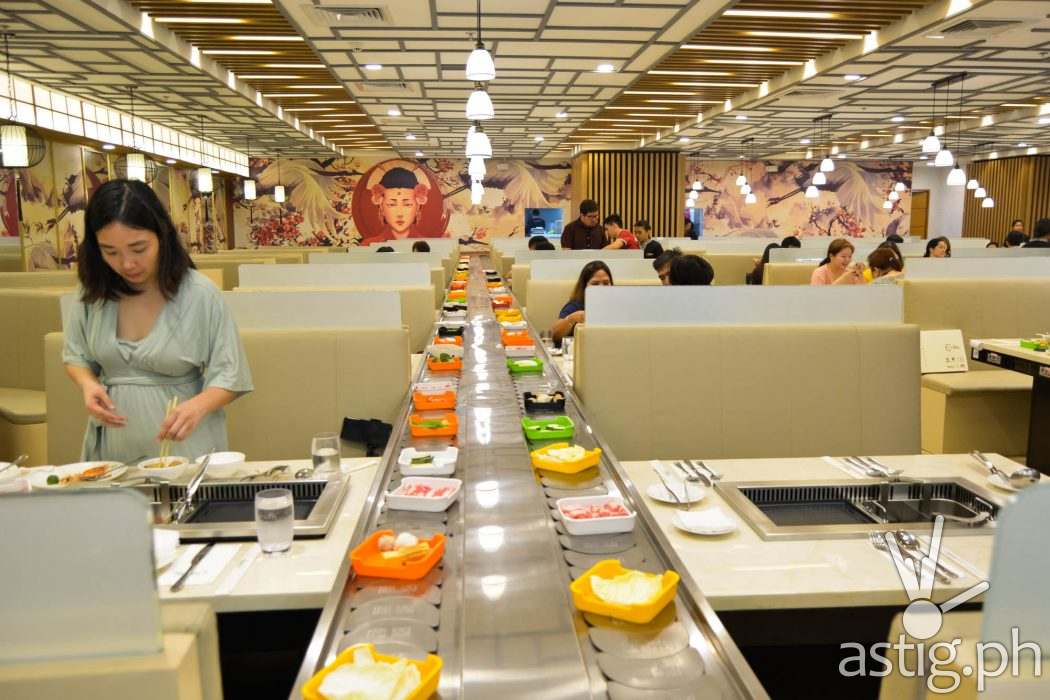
(562, 428)
(525, 366)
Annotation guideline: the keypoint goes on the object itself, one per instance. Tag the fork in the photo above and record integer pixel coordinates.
(660, 476)
(876, 539)
(711, 473)
(692, 475)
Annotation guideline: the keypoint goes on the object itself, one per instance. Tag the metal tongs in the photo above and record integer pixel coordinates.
(186, 502)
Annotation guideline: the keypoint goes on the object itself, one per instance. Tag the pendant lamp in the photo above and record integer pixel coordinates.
(956, 178)
(204, 182)
(746, 189)
(479, 106)
(278, 191)
(820, 178)
(478, 144)
(900, 187)
(249, 184)
(480, 66)
(476, 169)
(750, 198)
(944, 158)
(979, 193)
(972, 184)
(812, 192)
(893, 196)
(697, 185)
(827, 165)
(741, 180)
(988, 203)
(887, 204)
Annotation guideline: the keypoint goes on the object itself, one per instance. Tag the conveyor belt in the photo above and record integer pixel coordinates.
(498, 610)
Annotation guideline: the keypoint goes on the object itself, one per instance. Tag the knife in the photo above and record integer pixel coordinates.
(201, 553)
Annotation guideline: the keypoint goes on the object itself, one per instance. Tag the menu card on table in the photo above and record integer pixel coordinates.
(942, 351)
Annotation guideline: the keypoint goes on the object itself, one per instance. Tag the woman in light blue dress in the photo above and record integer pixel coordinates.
(148, 328)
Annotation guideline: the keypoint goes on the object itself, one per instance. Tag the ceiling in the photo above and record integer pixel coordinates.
(371, 75)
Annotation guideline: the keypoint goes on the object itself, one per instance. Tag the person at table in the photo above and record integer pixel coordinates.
(838, 266)
(584, 233)
(642, 230)
(885, 265)
(791, 242)
(420, 247)
(939, 247)
(1018, 226)
(1014, 239)
(593, 274)
(652, 250)
(691, 270)
(1040, 235)
(662, 265)
(619, 237)
(690, 230)
(148, 328)
(759, 270)
(540, 243)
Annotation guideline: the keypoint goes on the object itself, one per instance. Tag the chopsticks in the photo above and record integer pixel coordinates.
(165, 445)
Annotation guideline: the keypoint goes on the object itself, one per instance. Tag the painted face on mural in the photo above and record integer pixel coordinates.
(399, 196)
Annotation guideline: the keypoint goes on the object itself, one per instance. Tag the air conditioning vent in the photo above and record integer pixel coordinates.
(338, 15)
(386, 88)
(976, 25)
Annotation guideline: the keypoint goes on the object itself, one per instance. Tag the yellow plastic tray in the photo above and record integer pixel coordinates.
(429, 672)
(540, 460)
(585, 600)
(508, 315)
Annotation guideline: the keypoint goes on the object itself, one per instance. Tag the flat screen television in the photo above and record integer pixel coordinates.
(543, 221)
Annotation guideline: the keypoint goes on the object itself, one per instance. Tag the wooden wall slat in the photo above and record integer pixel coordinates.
(635, 185)
(1021, 190)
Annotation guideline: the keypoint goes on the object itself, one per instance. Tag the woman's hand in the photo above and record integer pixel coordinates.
(101, 407)
(182, 421)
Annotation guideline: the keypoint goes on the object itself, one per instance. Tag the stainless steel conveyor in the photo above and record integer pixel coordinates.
(498, 610)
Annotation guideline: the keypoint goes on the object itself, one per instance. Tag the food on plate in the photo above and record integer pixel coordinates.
(368, 678)
(630, 588)
(53, 480)
(547, 398)
(434, 424)
(423, 491)
(164, 463)
(403, 545)
(93, 473)
(386, 543)
(566, 454)
(425, 459)
(590, 511)
(444, 357)
(405, 539)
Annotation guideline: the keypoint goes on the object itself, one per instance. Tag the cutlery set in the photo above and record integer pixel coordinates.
(693, 471)
(911, 549)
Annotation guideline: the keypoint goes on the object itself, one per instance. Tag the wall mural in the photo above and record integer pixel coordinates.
(8, 204)
(850, 204)
(360, 201)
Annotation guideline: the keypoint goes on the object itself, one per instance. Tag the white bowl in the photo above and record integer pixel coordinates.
(223, 465)
(174, 471)
(595, 526)
(520, 350)
(444, 462)
(426, 504)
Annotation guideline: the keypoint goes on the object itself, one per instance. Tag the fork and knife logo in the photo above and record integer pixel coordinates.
(923, 618)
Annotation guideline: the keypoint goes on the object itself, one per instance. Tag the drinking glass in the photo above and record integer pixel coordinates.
(274, 519)
(326, 452)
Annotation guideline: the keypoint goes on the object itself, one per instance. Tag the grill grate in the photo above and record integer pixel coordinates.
(301, 490)
(760, 495)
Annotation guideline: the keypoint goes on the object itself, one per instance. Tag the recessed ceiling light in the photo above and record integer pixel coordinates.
(1045, 120)
(1022, 145)
(419, 154)
(537, 139)
(170, 161)
(307, 109)
(691, 72)
(410, 136)
(658, 92)
(794, 14)
(637, 121)
(897, 118)
(108, 147)
(853, 77)
(687, 102)
(561, 115)
(934, 36)
(741, 117)
(720, 47)
(605, 68)
(269, 77)
(749, 62)
(805, 35)
(393, 112)
(727, 85)
(266, 37)
(683, 139)
(805, 142)
(373, 66)
(663, 109)
(291, 94)
(289, 65)
(199, 20)
(240, 52)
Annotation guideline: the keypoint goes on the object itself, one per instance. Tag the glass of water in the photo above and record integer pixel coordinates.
(326, 452)
(274, 519)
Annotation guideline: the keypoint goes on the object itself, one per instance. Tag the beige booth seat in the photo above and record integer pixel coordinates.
(720, 391)
(986, 408)
(306, 382)
(439, 277)
(283, 256)
(795, 273)
(547, 297)
(11, 261)
(29, 315)
(230, 267)
(730, 268)
(67, 279)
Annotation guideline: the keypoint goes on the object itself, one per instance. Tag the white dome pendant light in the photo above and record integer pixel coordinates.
(820, 178)
(944, 158)
(480, 66)
(988, 203)
(812, 192)
(750, 198)
(887, 204)
(956, 178)
(476, 169)
(979, 193)
(479, 105)
(249, 184)
(972, 184)
(741, 180)
(478, 144)
(900, 187)
(278, 191)
(477, 193)
(893, 196)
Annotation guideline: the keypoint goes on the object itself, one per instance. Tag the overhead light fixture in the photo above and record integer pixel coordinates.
(249, 190)
(944, 158)
(263, 76)
(479, 105)
(605, 68)
(393, 112)
(745, 189)
(741, 180)
(741, 117)
(538, 139)
(887, 204)
(1022, 145)
(241, 52)
(805, 142)
(853, 77)
(979, 193)
(956, 178)
(827, 165)
(561, 115)
(373, 66)
(108, 147)
(987, 203)
(934, 36)
(785, 14)
(683, 139)
(820, 178)
(707, 73)
(724, 47)
(715, 85)
(266, 37)
(170, 161)
(20, 146)
(410, 136)
(697, 185)
(199, 20)
(899, 187)
(750, 198)
(288, 65)
(204, 181)
(749, 62)
(477, 193)
(478, 144)
(419, 154)
(972, 184)
(893, 196)
(805, 35)
(476, 169)
(812, 192)
(897, 118)
(480, 66)
(809, 153)
(278, 194)
(289, 95)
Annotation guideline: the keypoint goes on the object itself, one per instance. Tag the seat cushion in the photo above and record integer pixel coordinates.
(23, 406)
(972, 382)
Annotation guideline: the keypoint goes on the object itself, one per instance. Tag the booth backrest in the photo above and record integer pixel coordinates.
(306, 382)
(979, 307)
(11, 261)
(440, 273)
(322, 308)
(283, 256)
(525, 257)
(28, 315)
(977, 268)
(730, 268)
(569, 269)
(722, 391)
(67, 279)
(230, 266)
(787, 273)
(547, 297)
(417, 306)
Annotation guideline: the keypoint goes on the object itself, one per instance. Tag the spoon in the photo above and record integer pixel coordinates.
(1020, 478)
(910, 541)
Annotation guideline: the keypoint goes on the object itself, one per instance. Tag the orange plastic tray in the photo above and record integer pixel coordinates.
(586, 601)
(424, 401)
(453, 365)
(502, 301)
(455, 295)
(516, 338)
(458, 284)
(448, 340)
(494, 285)
(449, 431)
(367, 560)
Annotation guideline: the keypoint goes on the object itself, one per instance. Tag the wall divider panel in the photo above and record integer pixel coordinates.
(635, 185)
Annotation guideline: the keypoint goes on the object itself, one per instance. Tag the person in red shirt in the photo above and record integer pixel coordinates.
(618, 236)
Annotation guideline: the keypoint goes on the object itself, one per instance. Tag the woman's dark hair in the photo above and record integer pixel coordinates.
(933, 242)
(420, 247)
(666, 257)
(791, 242)
(540, 243)
(384, 249)
(652, 249)
(1015, 239)
(755, 276)
(890, 245)
(135, 205)
(586, 274)
(835, 247)
(691, 270)
(883, 258)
